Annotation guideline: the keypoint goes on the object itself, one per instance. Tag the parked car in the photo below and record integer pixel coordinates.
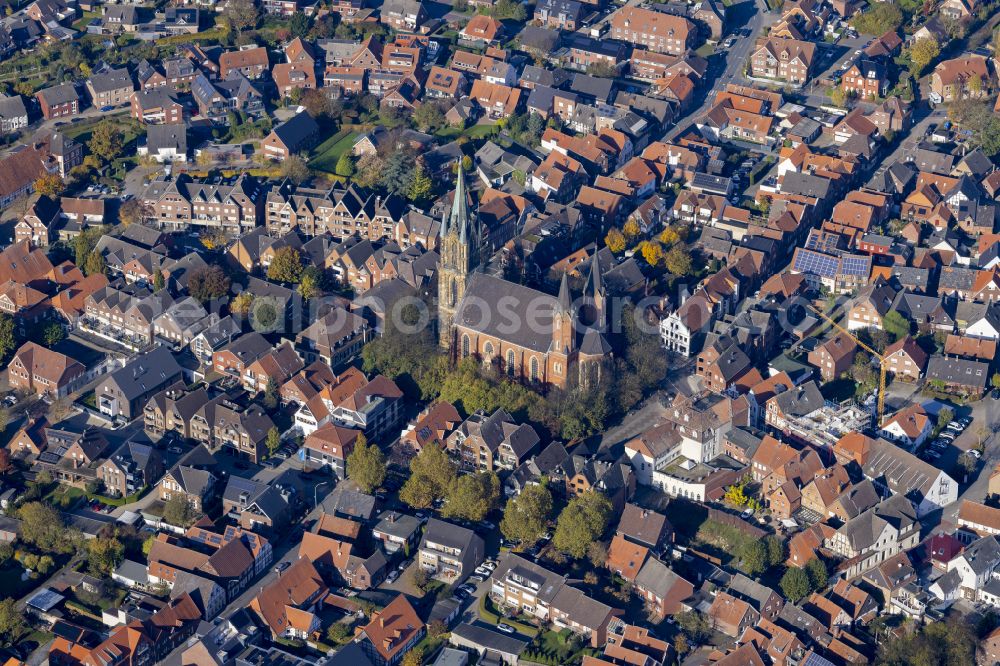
(974, 453)
(467, 587)
(478, 578)
(460, 594)
(393, 576)
(506, 628)
(281, 567)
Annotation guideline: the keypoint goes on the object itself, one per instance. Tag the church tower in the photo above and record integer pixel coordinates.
(459, 256)
(564, 322)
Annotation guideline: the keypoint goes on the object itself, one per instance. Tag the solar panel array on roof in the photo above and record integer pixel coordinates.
(853, 264)
(815, 263)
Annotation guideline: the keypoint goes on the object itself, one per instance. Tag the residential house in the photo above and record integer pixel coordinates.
(492, 442)
(448, 551)
(37, 369)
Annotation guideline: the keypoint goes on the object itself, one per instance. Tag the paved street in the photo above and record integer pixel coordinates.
(754, 17)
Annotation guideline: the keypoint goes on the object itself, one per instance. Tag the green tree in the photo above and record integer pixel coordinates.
(422, 187)
(366, 465)
(272, 394)
(775, 550)
(944, 417)
(922, 53)
(414, 657)
(6, 552)
(795, 584)
(431, 476)
(695, 626)
(208, 283)
(878, 20)
(299, 25)
(429, 117)
(42, 527)
(308, 287)
(53, 335)
(95, 264)
(583, 521)
(178, 511)
(951, 642)
(104, 554)
(12, 624)
(273, 440)
(398, 172)
(995, 380)
(678, 261)
(752, 558)
(339, 633)
(345, 165)
(159, 282)
(106, 141)
(818, 575)
(472, 496)
(241, 303)
(526, 516)
(286, 265)
(131, 212)
(896, 325)
(7, 338)
(837, 96)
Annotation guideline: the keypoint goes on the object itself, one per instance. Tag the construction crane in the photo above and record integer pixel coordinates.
(882, 360)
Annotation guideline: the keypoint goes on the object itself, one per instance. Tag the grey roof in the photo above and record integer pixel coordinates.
(112, 79)
(909, 276)
(863, 531)
(580, 608)
(543, 582)
(592, 86)
(146, 372)
(489, 639)
(711, 183)
(396, 524)
(448, 534)
(542, 39)
(133, 571)
(801, 400)
(350, 655)
(751, 591)
(977, 163)
(12, 107)
(983, 555)
(60, 94)
(656, 577)
(350, 503)
(899, 470)
(165, 137)
(920, 307)
(858, 498)
(927, 159)
(487, 289)
(958, 371)
(805, 184)
(295, 131)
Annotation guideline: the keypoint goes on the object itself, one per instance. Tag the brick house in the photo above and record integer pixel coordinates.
(59, 101)
(833, 357)
(907, 359)
(783, 59)
(656, 31)
(37, 369)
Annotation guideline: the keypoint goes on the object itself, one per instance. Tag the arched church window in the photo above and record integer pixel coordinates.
(465, 346)
(534, 369)
(510, 362)
(488, 350)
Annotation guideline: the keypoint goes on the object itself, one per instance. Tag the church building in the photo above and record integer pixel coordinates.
(530, 335)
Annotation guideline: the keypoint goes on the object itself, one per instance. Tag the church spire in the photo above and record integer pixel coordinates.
(565, 302)
(460, 206)
(596, 283)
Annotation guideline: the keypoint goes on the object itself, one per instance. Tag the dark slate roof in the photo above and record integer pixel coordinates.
(958, 371)
(296, 130)
(486, 289)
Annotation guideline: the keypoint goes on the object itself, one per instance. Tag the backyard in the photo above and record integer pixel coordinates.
(328, 153)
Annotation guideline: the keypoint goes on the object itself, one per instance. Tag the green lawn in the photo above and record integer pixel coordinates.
(705, 50)
(84, 20)
(474, 132)
(329, 152)
(11, 583)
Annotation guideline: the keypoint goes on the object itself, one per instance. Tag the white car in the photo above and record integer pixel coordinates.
(975, 454)
(506, 628)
